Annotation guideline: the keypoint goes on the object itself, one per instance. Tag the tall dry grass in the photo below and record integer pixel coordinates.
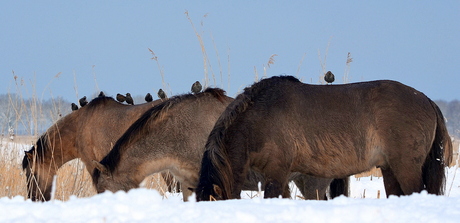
(72, 178)
(12, 180)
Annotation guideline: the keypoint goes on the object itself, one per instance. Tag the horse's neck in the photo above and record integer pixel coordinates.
(91, 145)
(61, 145)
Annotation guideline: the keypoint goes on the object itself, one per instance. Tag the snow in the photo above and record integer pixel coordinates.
(143, 205)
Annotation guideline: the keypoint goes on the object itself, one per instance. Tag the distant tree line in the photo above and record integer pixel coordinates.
(451, 112)
(29, 116)
(33, 117)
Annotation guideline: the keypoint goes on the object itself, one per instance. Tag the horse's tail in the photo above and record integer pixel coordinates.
(440, 156)
(339, 187)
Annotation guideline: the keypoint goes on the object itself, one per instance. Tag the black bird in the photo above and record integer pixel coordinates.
(196, 87)
(329, 77)
(83, 101)
(101, 94)
(121, 98)
(129, 99)
(74, 107)
(161, 94)
(148, 97)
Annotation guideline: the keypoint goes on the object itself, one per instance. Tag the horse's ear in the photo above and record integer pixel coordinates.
(100, 167)
(217, 190)
(29, 155)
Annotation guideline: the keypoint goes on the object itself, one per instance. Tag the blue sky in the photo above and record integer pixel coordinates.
(56, 47)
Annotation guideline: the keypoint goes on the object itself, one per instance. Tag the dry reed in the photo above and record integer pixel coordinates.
(72, 178)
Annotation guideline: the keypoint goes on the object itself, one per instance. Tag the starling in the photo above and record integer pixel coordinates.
(196, 87)
(101, 94)
(74, 107)
(161, 94)
(329, 77)
(148, 97)
(83, 101)
(129, 99)
(121, 98)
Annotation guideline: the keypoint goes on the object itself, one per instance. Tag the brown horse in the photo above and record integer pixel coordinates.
(171, 136)
(87, 133)
(280, 125)
(166, 137)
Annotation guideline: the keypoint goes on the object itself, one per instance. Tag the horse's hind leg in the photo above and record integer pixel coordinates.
(391, 184)
(403, 181)
(403, 172)
(410, 179)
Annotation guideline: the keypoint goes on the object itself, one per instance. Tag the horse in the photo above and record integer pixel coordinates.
(87, 133)
(170, 136)
(281, 126)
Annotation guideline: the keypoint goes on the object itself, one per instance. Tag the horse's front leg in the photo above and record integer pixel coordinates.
(186, 193)
(274, 187)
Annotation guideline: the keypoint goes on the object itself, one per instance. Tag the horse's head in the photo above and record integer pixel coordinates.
(210, 192)
(41, 162)
(101, 177)
(104, 180)
(210, 186)
(38, 182)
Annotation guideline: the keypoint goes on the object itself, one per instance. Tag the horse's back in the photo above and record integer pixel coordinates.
(361, 121)
(360, 104)
(111, 119)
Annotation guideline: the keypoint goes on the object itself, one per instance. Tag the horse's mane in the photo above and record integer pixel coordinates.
(141, 127)
(40, 148)
(242, 101)
(100, 101)
(219, 168)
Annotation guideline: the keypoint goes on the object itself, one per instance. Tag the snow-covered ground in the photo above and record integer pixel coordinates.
(142, 205)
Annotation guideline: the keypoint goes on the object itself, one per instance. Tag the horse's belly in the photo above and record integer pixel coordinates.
(333, 167)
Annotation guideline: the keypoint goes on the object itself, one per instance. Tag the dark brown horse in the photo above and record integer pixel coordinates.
(280, 125)
(171, 136)
(87, 133)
